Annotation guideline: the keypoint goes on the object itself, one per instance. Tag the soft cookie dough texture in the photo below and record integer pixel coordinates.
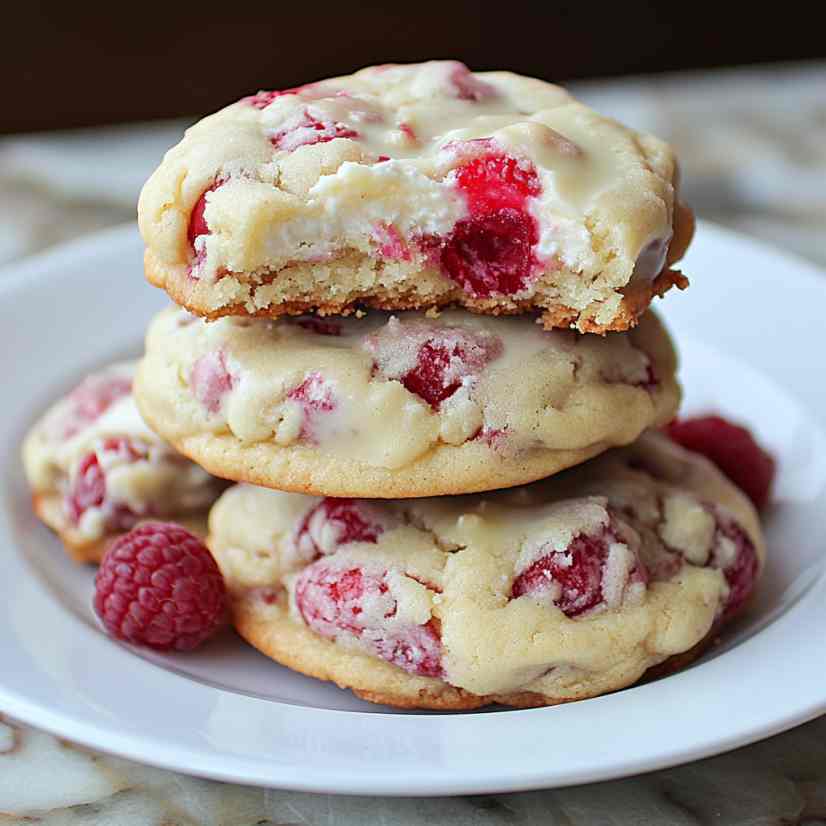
(565, 589)
(398, 406)
(412, 187)
(96, 470)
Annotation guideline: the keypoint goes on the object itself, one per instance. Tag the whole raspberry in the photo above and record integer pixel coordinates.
(733, 449)
(159, 586)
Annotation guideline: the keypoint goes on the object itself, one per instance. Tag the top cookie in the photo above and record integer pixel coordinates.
(411, 187)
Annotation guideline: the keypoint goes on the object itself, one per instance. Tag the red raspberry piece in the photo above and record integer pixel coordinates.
(491, 252)
(261, 100)
(732, 552)
(408, 131)
(210, 380)
(320, 326)
(735, 555)
(309, 130)
(315, 396)
(390, 243)
(438, 371)
(733, 449)
(444, 357)
(494, 437)
(89, 485)
(87, 402)
(349, 601)
(333, 523)
(197, 222)
(469, 87)
(495, 181)
(579, 572)
(89, 489)
(417, 649)
(159, 586)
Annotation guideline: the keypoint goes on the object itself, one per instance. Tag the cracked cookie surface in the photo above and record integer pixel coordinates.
(398, 406)
(412, 187)
(556, 591)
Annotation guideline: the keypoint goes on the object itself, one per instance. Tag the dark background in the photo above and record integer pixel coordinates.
(70, 64)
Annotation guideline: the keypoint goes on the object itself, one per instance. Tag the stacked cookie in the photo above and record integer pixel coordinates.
(404, 297)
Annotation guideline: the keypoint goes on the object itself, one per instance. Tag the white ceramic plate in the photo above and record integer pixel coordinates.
(750, 332)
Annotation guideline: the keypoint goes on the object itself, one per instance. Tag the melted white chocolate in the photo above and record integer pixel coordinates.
(159, 483)
(514, 385)
(308, 175)
(460, 556)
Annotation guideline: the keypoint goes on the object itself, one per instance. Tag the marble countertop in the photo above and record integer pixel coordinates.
(753, 148)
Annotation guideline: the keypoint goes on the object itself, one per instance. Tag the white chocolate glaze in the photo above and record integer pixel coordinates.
(476, 569)
(93, 447)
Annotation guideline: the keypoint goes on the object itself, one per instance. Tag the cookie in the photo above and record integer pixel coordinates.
(413, 187)
(398, 406)
(565, 589)
(96, 470)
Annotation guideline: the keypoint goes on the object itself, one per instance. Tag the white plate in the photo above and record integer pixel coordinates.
(750, 333)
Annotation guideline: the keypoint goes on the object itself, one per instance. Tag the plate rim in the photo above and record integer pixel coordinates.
(810, 609)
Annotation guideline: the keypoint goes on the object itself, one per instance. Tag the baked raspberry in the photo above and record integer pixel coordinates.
(390, 243)
(315, 395)
(88, 488)
(491, 252)
(408, 131)
(584, 575)
(261, 100)
(733, 449)
(88, 401)
(197, 222)
(469, 87)
(734, 554)
(336, 602)
(159, 586)
(333, 523)
(438, 372)
(494, 181)
(432, 362)
(494, 437)
(417, 649)
(319, 326)
(210, 380)
(308, 130)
